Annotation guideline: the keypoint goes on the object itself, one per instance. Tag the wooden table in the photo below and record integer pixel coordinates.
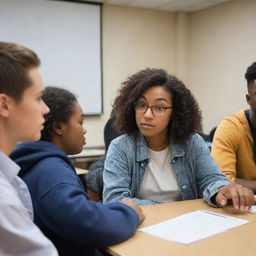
(88, 152)
(86, 157)
(239, 241)
(80, 171)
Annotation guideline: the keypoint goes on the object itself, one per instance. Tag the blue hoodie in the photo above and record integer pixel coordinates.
(62, 209)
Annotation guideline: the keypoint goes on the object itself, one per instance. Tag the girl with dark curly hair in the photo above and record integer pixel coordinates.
(159, 157)
(62, 208)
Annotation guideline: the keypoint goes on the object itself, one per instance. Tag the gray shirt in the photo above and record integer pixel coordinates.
(18, 234)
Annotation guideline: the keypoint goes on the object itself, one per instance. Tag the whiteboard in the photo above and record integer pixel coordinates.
(67, 38)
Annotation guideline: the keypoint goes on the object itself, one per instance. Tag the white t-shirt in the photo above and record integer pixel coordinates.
(159, 182)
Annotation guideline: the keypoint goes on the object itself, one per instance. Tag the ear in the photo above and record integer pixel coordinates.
(57, 128)
(248, 99)
(5, 105)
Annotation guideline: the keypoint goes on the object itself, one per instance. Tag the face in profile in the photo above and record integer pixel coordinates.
(73, 132)
(154, 122)
(27, 115)
(251, 97)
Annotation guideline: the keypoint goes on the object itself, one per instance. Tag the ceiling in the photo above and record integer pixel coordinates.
(166, 5)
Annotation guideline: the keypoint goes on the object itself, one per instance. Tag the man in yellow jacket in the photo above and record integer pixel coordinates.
(234, 143)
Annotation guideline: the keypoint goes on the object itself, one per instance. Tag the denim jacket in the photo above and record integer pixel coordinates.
(196, 172)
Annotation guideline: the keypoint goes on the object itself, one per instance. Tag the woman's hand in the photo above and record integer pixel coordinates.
(242, 197)
(136, 208)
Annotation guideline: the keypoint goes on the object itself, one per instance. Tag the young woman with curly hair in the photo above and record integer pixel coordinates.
(159, 157)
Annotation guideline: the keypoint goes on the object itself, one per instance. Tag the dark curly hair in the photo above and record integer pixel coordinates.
(186, 118)
(61, 103)
(250, 74)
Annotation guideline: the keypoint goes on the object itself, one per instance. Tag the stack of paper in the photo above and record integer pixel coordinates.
(194, 226)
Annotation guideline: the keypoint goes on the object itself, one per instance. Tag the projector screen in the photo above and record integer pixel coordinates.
(67, 38)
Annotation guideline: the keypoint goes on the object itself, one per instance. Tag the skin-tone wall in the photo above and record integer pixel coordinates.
(208, 49)
(133, 39)
(222, 44)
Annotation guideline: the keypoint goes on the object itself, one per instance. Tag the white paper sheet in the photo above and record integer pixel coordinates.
(193, 226)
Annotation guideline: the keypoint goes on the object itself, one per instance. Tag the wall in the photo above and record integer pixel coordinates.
(133, 39)
(208, 49)
(222, 44)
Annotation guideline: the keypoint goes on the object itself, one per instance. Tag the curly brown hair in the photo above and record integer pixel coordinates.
(186, 118)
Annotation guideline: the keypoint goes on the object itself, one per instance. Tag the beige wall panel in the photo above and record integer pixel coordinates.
(222, 44)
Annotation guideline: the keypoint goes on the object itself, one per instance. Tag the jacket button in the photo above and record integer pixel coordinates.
(142, 165)
(184, 187)
(173, 160)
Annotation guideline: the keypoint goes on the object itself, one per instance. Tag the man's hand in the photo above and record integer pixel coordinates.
(136, 208)
(242, 197)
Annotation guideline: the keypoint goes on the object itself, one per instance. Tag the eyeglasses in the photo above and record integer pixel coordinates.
(142, 107)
